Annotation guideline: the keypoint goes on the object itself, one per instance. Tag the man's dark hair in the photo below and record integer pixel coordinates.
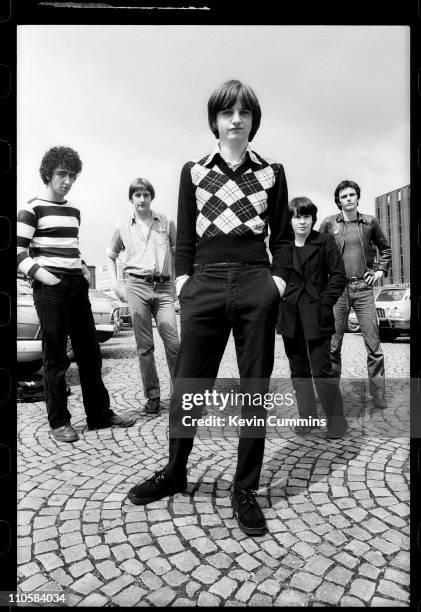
(59, 157)
(302, 206)
(226, 96)
(141, 183)
(343, 185)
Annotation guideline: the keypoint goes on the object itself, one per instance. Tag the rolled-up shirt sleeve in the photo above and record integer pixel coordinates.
(115, 245)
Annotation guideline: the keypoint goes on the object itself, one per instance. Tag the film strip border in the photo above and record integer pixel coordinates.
(16, 12)
(7, 298)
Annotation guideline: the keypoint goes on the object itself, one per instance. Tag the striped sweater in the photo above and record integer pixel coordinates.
(48, 237)
(224, 214)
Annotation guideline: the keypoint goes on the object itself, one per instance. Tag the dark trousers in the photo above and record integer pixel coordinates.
(310, 360)
(215, 300)
(64, 310)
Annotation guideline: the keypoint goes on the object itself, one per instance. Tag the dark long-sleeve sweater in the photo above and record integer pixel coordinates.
(224, 214)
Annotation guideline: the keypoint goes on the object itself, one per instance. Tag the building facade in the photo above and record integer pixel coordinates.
(103, 281)
(92, 271)
(392, 211)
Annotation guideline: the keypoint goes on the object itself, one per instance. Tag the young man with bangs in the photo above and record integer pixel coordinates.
(227, 201)
(48, 252)
(146, 241)
(306, 319)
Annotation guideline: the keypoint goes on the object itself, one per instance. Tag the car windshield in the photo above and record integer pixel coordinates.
(100, 294)
(391, 295)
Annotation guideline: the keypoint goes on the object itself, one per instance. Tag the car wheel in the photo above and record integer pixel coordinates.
(388, 335)
(28, 367)
(352, 327)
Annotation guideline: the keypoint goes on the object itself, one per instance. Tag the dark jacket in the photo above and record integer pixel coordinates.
(313, 288)
(370, 233)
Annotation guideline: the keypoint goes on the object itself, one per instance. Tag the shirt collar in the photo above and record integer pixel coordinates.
(248, 151)
(154, 216)
(360, 217)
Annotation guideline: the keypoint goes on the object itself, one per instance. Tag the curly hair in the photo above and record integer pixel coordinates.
(226, 96)
(59, 157)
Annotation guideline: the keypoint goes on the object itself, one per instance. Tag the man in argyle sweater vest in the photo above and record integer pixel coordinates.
(227, 202)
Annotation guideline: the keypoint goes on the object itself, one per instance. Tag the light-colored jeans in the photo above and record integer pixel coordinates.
(147, 299)
(360, 296)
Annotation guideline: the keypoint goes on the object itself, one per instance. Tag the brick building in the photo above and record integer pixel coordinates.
(392, 210)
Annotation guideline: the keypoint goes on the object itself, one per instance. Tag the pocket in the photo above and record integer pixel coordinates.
(187, 282)
(274, 285)
(326, 316)
(161, 238)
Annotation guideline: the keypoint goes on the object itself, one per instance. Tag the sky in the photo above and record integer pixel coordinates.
(132, 100)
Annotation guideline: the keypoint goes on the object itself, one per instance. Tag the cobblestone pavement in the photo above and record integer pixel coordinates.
(337, 511)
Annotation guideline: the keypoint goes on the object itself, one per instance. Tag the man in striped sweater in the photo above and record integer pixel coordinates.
(48, 252)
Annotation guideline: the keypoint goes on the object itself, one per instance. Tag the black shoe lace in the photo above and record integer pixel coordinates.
(159, 476)
(247, 496)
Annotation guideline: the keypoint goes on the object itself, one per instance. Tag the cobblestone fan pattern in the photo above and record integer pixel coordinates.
(337, 511)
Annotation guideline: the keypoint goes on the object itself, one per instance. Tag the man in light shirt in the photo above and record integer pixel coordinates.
(146, 241)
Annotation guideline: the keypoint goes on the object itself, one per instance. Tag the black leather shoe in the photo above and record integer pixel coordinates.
(153, 405)
(115, 420)
(247, 512)
(158, 486)
(121, 421)
(65, 433)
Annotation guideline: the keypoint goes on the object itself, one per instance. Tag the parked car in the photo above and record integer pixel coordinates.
(126, 316)
(106, 313)
(393, 305)
(29, 349)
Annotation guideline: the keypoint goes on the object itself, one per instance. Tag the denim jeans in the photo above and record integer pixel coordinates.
(65, 310)
(147, 299)
(360, 296)
(214, 301)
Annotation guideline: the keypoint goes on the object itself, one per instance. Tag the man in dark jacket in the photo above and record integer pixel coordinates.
(306, 318)
(356, 235)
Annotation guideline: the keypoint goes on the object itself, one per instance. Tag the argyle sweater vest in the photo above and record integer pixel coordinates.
(224, 214)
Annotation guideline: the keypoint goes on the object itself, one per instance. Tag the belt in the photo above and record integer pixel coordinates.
(353, 279)
(224, 265)
(151, 278)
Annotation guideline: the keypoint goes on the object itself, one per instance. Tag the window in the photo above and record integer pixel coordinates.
(391, 295)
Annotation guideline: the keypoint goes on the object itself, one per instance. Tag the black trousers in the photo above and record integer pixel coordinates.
(215, 300)
(65, 310)
(310, 360)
